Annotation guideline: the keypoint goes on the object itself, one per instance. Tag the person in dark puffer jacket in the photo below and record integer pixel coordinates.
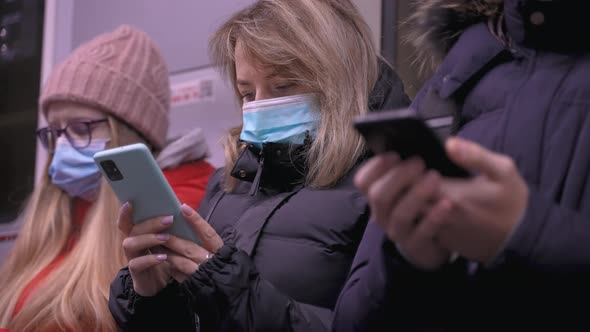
(518, 85)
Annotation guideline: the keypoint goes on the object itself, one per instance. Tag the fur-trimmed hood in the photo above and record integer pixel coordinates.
(436, 25)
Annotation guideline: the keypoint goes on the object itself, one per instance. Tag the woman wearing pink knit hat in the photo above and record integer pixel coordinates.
(111, 91)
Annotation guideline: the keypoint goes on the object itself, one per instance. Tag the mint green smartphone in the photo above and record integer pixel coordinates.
(135, 177)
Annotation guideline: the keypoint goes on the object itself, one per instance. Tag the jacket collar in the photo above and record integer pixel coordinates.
(436, 25)
(476, 48)
(275, 167)
(476, 51)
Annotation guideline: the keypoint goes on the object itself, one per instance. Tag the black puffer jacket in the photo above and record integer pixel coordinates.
(288, 248)
(388, 93)
(520, 87)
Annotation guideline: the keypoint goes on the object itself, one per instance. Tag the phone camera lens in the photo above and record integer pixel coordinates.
(111, 170)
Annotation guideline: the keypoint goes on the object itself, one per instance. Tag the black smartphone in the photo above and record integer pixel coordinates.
(405, 133)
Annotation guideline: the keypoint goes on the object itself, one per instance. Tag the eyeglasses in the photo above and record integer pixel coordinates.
(78, 133)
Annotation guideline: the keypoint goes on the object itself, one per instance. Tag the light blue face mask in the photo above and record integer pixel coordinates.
(74, 170)
(280, 120)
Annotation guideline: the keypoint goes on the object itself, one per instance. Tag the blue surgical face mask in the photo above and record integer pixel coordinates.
(280, 120)
(74, 171)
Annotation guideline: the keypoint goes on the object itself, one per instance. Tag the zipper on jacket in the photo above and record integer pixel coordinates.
(257, 178)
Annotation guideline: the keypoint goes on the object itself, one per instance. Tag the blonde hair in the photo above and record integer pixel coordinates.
(324, 45)
(74, 296)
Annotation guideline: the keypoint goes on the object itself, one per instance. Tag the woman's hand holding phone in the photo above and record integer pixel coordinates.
(179, 259)
(428, 216)
(186, 256)
(403, 196)
(149, 272)
(486, 208)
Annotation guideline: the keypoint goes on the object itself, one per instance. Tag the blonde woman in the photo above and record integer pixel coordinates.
(283, 219)
(110, 92)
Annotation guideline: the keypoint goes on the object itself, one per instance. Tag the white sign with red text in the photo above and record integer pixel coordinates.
(191, 92)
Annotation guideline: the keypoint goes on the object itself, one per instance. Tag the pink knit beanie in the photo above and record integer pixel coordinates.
(121, 73)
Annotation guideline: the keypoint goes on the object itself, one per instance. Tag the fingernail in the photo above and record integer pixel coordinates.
(125, 207)
(167, 220)
(162, 257)
(163, 237)
(187, 210)
(455, 148)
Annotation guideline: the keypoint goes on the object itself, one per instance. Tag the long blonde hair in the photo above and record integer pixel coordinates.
(321, 44)
(74, 296)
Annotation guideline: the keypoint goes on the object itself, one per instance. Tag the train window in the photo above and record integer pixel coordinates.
(21, 32)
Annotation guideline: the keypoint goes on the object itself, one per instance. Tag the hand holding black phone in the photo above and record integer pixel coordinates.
(404, 132)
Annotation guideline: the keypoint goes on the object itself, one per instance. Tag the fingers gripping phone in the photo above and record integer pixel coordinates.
(404, 132)
(135, 177)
